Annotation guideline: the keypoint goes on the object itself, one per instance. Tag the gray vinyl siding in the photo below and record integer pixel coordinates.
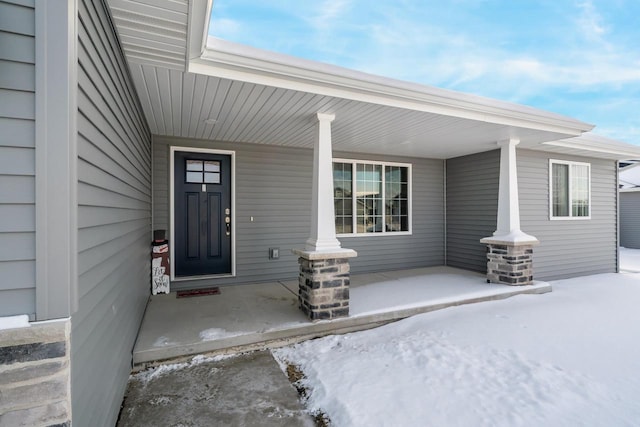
(273, 185)
(17, 158)
(630, 219)
(472, 206)
(568, 248)
(425, 246)
(114, 222)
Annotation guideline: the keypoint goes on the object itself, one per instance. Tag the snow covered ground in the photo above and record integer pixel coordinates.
(567, 358)
(630, 259)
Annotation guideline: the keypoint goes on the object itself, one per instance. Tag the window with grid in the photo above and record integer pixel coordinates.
(570, 190)
(371, 197)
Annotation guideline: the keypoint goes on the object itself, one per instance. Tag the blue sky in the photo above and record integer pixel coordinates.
(580, 58)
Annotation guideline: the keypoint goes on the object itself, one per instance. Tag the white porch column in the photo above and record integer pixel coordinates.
(509, 250)
(323, 227)
(508, 223)
(324, 279)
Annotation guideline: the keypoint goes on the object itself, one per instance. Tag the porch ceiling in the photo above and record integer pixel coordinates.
(152, 31)
(262, 97)
(177, 103)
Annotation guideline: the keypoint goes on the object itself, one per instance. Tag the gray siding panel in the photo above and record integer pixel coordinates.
(472, 205)
(273, 186)
(17, 47)
(17, 76)
(17, 133)
(17, 158)
(568, 248)
(15, 18)
(630, 219)
(17, 189)
(12, 298)
(17, 161)
(114, 221)
(17, 104)
(17, 246)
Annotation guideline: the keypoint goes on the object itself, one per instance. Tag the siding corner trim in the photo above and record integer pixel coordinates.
(56, 160)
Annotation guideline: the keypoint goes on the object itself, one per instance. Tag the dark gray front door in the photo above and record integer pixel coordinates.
(202, 201)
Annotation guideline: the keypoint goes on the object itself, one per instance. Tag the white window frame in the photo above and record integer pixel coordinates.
(353, 163)
(570, 217)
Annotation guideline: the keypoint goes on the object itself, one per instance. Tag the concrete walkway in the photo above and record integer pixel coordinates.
(258, 316)
(245, 390)
(250, 389)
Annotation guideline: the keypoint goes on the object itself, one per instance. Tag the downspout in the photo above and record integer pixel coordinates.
(444, 197)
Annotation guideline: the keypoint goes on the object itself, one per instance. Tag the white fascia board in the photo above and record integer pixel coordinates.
(198, 24)
(234, 61)
(630, 190)
(596, 144)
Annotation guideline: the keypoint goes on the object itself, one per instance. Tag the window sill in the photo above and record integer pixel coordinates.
(569, 218)
(381, 234)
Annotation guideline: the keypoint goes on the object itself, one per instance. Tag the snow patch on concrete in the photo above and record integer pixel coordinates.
(163, 342)
(153, 373)
(217, 333)
(12, 322)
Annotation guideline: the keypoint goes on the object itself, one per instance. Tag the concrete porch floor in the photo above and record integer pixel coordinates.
(250, 317)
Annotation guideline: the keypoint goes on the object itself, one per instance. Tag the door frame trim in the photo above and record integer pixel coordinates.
(232, 154)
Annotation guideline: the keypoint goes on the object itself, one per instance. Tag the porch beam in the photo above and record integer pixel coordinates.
(322, 236)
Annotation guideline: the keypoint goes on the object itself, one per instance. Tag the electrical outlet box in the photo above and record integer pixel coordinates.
(274, 253)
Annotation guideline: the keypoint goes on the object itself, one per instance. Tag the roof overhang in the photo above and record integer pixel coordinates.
(187, 81)
(230, 60)
(592, 145)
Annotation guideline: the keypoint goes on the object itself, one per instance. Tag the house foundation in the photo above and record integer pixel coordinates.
(510, 263)
(323, 283)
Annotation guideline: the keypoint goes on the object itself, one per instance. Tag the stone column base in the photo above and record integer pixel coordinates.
(323, 291)
(509, 263)
(35, 376)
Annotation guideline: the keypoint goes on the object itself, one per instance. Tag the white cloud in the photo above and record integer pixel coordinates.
(225, 28)
(590, 22)
(561, 53)
(327, 13)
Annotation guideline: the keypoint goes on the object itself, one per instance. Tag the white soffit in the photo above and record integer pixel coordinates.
(629, 177)
(178, 103)
(152, 32)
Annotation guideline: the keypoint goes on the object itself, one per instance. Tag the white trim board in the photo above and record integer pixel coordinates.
(232, 154)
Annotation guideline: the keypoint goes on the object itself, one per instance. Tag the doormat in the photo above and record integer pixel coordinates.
(198, 292)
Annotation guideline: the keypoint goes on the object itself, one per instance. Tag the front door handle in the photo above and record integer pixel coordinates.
(227, 221)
